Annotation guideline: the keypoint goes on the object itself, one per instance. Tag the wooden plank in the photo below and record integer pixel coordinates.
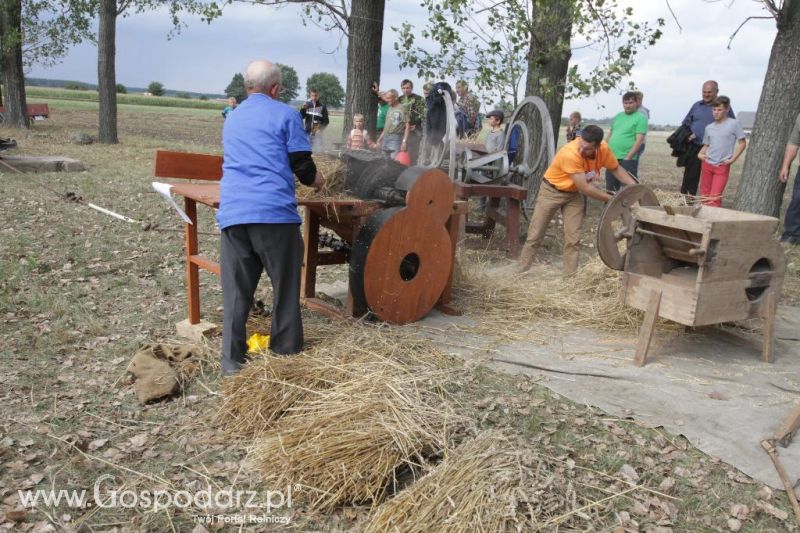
(308, 275)
(786, 431)
(646, 332)
(332, 258)
(512, 229)
(467, 190)
(768, 313)
(185, 165)
(321, 306)
(677, 303)
(453, 227)
(192, 273)
(203, 194)
(206, 264)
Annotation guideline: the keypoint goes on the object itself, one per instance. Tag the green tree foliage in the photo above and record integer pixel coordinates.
(330, 90)
(509, 39)
(156, 88)
(203, 97)
(121, 89)
(75, 86)
(51, 27)
(184, 95)
(236, 88)
(290, 84)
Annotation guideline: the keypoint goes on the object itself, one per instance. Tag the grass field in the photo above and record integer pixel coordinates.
(80, 292)
(51, 93)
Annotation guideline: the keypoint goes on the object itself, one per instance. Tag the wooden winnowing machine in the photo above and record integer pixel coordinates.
(694, 265)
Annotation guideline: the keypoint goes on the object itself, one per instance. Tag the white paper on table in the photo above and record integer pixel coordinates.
(164, 189)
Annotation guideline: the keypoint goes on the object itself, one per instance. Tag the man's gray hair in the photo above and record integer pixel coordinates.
(261, 76)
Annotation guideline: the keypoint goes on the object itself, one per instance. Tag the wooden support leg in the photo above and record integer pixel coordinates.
(453, 226)
(768, 314)
(512, 228)
(489, 222)
(646, 333)
(308, 276)
(192, 271)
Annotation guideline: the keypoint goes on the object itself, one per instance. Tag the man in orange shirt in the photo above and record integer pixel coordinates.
(571, 174)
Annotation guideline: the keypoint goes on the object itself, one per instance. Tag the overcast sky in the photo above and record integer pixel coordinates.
(203, 58)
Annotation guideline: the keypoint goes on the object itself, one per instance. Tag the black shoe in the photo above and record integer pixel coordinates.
(791, 240)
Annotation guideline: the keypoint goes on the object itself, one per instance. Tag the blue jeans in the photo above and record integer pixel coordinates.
(631, 165)
(791, 224)
(392, 143)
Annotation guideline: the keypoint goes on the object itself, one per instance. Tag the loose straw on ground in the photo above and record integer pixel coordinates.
(268, 386)
(350, 443)
(508, 301)
(485, 484)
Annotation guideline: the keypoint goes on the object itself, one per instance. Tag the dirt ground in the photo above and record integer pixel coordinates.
(81, 291)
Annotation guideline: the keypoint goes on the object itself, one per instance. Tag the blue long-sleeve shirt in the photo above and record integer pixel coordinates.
(700, 116)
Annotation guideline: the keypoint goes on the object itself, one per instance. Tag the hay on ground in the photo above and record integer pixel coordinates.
(485, 484)
(352, 443)
(590, 297)
(268, 386)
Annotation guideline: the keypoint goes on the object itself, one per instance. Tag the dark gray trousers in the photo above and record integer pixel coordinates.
(246, 250)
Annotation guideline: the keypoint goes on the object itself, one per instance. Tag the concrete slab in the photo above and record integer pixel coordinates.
(42, 164)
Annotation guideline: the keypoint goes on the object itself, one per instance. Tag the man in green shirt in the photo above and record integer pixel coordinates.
(627, 135)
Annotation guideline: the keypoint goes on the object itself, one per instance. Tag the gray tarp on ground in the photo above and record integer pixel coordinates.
(709, 385)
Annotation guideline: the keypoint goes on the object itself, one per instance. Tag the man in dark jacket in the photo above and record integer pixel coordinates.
(315, 118)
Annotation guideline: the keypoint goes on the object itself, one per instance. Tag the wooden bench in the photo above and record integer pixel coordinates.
(508, 218)
(34, 110)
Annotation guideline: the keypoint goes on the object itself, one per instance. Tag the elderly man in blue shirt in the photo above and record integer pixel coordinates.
(698, 117)
(265, 147)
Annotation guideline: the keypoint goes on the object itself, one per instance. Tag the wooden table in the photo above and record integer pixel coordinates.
(510, 218)
(345, 217)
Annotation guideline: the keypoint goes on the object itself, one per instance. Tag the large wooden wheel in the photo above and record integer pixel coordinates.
(535, 147)
(402, 257)
(616, 227)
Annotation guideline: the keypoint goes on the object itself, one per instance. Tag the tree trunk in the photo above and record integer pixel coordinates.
(106, 72)
(549, 55)
(11, 63)
(760, 191)
(363, 61)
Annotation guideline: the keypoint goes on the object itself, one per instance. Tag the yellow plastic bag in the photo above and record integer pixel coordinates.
(257, 343)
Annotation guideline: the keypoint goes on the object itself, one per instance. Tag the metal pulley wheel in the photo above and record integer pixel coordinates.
(535, 147)
(616, 227)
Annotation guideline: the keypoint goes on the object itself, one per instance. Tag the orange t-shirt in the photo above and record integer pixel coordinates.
(568, 161)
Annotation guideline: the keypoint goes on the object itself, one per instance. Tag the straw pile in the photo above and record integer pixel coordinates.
(333, 170)
(353, 443)
(485, 484)
(268, 386)
(591, 297)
